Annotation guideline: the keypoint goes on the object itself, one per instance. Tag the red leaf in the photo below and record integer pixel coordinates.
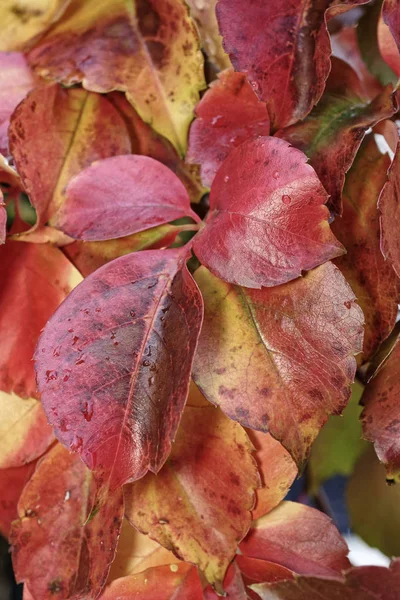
(3, 220)
(170, 582)
(53, 550)
(333, 132)
(362, 583)
(114, 363)
(280, 359)
(287, 67)
(35, 279)
(381, 415)
(389, 34)
(389, 207)
(233, 586)
(299, 538)
(57, 132)
(12, 482)
(255, 570)
(267, 221)
(144, 194)
(16, 79)
(228, 114)
(371, 277)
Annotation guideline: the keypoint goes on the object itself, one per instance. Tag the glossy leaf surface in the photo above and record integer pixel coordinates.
(123, 341)
(333, 132)
(227, 115)
(371, 277)
(53, 550)
(35, 279)
(299, 538)
(389, 207)
(267, 222)
(362, 583)
(24, 431)
(288, 67)
(381, 415)
(182, 508)
(280, 359)
(65, 130)
(170, 582)
(122, 195)
(150, 50)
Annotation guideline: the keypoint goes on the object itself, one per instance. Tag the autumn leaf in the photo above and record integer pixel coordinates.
(169, 582)
(34, 281)
(144, 192)
(267, 221)
(65, 130)
(203, 12)
(51, 531)
(299, 538)
(24, 431)
(333, 132)
(362, 583)
(234, 586)
(148, 50)
(381, 415)
(288, 67)
(388, 35)
(182, 508)
(227, 115)
(12, 482)
(24, 21)
(3, 220)
(119, 344)
(256, 570)
(371, 277)
(390, 214)
(279, 359)
(16, 80)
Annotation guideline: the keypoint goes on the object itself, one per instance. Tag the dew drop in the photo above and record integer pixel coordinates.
(226, 178)
(275, 174)
(80, 361)
(255, 86)
(87, 410)
(215, 120)
(286, 199)
(70, 330)
(132, 313)
(233, 139)
(151, 381)
(76, 443)
(43, 349)
(347, 304)
(115, 343)
(51, 376)
(146, 363)
(174, 568)
(67, 496)
(75, 339)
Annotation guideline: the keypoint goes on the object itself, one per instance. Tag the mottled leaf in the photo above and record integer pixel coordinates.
(34, 281)
(169, 582)
(283, 48)
(24, 431)
(333, 132)
(373, 505)
(53, 550)
(203, 12)
(148, 49)
(371, 277)
(233, 586)
(113, 363)
(122, 195)
(299, 538)
(338, 445)
(25, 20)
(65, 130)
(277, 470)
(12, 482)
(228, 114)
(362, 583)
(381, 415)
(183, 509)
(280, 359)
(16, 80)
(389, 207)
(267, 222)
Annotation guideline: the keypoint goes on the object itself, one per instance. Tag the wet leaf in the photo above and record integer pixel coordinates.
(16, 80)
(371, 277)
(183, 509)
(24, 431)
(51, 531)
(169, 582)
(150, 50)
(299, 538)
(381, 415)
(35, 279)
(227, 115)
(288, 67)
(280, 359)
(145, 194)
(113, 363)
(333, 132)
(12, 482)
(390, 214)
(24, 21)
(65, 130)
(267, 222)
(362, 583)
